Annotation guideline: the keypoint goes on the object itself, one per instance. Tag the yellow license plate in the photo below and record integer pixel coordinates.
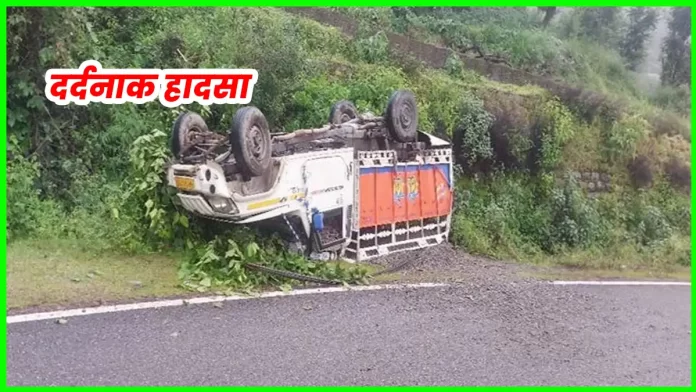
(184, 183)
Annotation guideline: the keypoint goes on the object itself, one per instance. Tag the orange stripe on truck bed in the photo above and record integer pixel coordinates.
(397, 194)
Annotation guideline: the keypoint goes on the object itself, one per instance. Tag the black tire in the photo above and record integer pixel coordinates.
(402, 116)
(184, 125)
(250, 139)
(342, 111)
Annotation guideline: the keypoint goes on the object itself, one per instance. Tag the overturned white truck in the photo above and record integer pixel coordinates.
(360, 187)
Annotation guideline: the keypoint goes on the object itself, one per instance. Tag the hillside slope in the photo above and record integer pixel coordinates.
(93, 174)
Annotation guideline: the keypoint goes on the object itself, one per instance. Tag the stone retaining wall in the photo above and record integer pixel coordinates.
(595, 182)
(588, 102)
(436, 56)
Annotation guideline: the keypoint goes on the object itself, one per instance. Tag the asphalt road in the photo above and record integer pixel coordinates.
(486, 334)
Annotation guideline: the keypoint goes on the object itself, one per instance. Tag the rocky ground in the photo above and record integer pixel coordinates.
(444, 263)
(437, 264)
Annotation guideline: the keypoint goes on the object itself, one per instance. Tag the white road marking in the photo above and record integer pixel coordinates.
(21, 318)
(617, 283)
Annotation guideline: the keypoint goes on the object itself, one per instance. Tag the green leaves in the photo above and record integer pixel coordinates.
(145, 186)
(206, 282)
(557, 129)
(252, 250)
(221, 263)
(475, 123)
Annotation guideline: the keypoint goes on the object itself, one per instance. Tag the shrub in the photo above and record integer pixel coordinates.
(678, 173)
(575, 220)
(647, 222)
(467, 235)
(673, 98)
(641, 172)
(555, 128)
(373, 49)
(510, 129)
(621, 138)
(27, 213)
(473, 138)
(439, 102)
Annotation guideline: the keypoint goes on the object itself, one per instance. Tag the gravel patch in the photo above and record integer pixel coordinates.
(445, 263)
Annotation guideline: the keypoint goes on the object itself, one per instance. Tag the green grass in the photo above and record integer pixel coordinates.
(624, 259)
(52, 273)
(56, 273)
(682, 274)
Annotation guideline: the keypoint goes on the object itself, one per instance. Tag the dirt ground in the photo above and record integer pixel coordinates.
(444, 263)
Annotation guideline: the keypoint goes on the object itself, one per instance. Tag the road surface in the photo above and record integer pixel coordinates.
(487, 334)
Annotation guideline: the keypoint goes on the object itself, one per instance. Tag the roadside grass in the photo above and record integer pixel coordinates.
(57, 273)
(624, 259)
(681, 274)
(51, 273)
(621, 261)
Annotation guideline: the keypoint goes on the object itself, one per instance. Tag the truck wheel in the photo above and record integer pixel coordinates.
(185, 127)
(342, 111)
(251, 141)
(402, 116)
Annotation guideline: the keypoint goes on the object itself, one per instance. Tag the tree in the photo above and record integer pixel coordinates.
(601, 25)
(641, 23)
(676, 49)
(549, 13)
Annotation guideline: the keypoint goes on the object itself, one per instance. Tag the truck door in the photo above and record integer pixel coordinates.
(328, 183)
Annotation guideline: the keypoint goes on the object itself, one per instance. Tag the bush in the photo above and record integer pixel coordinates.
(575, 220)
(679, 174)
(439, 102)
(467, 235)
(641, 172)
(555, 128)
(513, 217)
(474, 123)
(647, 222)
(621, 139)
(27, 213)
(373, 49)
(673, 98)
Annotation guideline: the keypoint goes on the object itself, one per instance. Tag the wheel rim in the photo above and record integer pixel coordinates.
(255, 142)
(191, 134)
(405, 115)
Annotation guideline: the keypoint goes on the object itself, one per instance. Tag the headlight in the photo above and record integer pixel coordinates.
(223, 205)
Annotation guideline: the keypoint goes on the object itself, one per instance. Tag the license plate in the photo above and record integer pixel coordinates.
(184, 183)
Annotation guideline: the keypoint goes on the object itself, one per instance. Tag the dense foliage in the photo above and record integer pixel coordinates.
(596, 48)
(676, 50)
(95, 173)
(641, 24)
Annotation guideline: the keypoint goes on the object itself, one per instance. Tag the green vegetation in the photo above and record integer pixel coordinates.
(676, 51)
(593, 48)
(93, 175)
(55, 272)
(641, 23)
(513, 218)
